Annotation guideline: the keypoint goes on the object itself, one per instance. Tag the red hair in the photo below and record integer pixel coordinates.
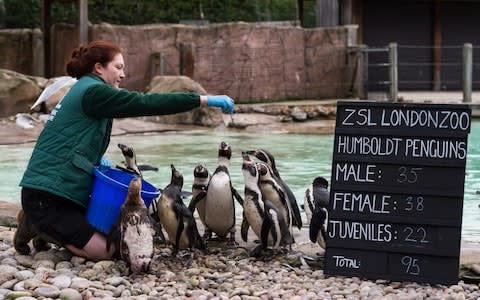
(84, 58)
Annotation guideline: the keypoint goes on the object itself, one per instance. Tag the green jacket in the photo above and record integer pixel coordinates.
(77, 134)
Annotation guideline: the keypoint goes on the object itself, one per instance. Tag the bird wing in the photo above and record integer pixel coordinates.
(59, 83)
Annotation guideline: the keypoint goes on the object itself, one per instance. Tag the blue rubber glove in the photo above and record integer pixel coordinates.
(105, 164)
(224, 102)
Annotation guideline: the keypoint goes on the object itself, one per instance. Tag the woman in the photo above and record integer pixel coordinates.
(59, 176)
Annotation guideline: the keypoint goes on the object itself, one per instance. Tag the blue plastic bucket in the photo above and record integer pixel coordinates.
(108, 194)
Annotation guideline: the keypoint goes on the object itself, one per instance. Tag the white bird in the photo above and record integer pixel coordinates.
(59, 83)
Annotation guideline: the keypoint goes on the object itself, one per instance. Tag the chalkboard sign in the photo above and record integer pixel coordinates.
(396, 196)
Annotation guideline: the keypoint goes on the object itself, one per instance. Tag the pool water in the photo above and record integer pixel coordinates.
(299, 158)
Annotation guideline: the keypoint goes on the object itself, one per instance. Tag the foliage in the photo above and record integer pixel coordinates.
(27, 13)
(22, 14)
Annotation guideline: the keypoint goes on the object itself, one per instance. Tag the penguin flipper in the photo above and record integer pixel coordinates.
(244, 228)
(147, 168)
(297, 218)
(154, 214)
(185, 194)
(114, 234)
(157, 228)
(180, 228)
(126, 170)
(316, 224)
(322, 238)
(265, 230)
(194, 238)
(195, 200)
(237, 196)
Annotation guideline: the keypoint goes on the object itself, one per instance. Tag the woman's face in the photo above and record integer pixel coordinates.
(113, 73)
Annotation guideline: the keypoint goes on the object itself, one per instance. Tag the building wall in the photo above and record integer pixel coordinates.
(249, 62)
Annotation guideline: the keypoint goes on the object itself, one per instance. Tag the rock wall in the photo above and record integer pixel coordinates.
(249, 62)
(21, 50)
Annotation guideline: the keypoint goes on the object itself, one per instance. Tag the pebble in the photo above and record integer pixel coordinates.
(223, 274)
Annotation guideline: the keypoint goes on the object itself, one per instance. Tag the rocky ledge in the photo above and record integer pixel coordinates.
(307, 117)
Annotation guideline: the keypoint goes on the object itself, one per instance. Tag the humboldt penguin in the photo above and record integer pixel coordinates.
(274, 192)
(264, 218)
(316, 204)
(201, 177)
(136, 230)
(219, 201)
(131, 161)
(176, 218)
(267, 157)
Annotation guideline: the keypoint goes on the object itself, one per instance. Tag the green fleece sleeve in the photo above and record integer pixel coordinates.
(105, 101)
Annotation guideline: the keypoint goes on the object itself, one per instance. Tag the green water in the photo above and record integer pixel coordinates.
(300, 158)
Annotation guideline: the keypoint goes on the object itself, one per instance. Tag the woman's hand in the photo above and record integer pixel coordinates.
(223, 101)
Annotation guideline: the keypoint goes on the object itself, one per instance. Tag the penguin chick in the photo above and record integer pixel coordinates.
(176, 218)
(219, 202)
(316, 204)
(136, 230)
(264, 218)
(266, 157)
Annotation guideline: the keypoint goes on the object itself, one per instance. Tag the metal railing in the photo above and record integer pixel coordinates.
(391, 62)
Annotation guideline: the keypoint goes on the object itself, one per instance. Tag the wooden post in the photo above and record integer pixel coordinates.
(364, 70)
(467, 72)
(83, 22)
(437, 46)
(299, 12)
(393, 63)
(352, 60)
(47, 37)
(38, 57)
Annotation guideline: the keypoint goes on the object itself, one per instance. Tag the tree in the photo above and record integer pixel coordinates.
(27, 13)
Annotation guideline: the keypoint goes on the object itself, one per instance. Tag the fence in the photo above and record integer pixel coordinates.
(455, 69)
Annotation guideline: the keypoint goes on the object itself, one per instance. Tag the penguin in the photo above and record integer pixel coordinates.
(131, 161)
(26, 232)
(274, 192)
(176, 218)
(266, 157)
(136, 230)
(219, 201)
(316, 203)
(201, 178)
(264, 218)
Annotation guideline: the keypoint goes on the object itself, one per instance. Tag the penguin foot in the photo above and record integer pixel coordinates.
(232, 242)
(40, 244)
(184, 254)
(22, 248)
(256, 252)
(207, 236)
(158, 241)
(265, 254)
